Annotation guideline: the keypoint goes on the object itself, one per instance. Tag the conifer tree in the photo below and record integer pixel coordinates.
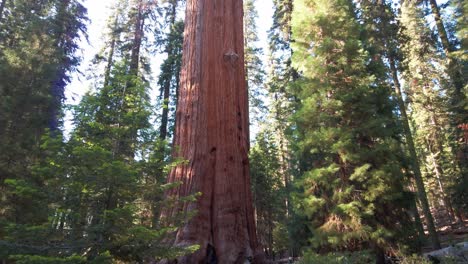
(281, 74)
(169, 77)
(280, 81)
(456, 68)
(429, 107)
(38, 41)
(353, 190)
(268, 190)
(91, 198)
(453, 65)
(460, 196)
(383, 43)
(254, 72)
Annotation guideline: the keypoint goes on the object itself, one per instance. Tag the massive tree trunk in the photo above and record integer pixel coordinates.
(211, 133)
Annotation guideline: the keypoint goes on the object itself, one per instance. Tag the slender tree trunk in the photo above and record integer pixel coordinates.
(414, 158)
(110, 57)
(137, 40)
(435, 147)
(458, 97)
(270, 235)
(453, 70)
(124, 146)
(439, 173)
(418, 223)
(211, 133)
(440, 27)
(167, 81)
(165, 111)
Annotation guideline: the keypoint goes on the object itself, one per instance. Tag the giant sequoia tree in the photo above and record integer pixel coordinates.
(212, 134)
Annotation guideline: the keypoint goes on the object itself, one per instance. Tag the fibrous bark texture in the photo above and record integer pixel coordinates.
(212, 135)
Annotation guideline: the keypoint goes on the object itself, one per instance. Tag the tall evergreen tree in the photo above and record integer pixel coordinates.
(95, 193)
(169, 77)
(459, 191)
(428, 106)
(254, 72)
(38, 41)
(353, 190)
(456, 69)
(268, 190)
(281, 74)
(383, 43)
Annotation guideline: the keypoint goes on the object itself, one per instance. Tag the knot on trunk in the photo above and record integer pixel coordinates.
(231, 57)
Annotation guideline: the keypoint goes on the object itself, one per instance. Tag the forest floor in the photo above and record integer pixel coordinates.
(453, 236)
(450, 232)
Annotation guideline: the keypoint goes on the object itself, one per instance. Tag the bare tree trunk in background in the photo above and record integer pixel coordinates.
(212, 134)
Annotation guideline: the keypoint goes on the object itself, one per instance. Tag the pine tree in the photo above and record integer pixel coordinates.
(428, 106)
(254, 72)
(459, 190)
(456, 68)
(383, 43)
(453, 65)
(91, 199)
(170, 69)
(268, 190)
(280, 76)
(38, 41)
(353, 190)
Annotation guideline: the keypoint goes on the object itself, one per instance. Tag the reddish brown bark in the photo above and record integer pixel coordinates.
(212, 134)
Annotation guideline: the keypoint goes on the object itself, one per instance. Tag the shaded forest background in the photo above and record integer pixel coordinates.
(360, 111)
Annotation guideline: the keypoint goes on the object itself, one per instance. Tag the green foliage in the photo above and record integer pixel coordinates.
(426, 86)
(338, 258)
(281, 238)
(103, 185)
(254, 68)
(351, 186)
(268, 189)
(95, 197)
(37, 56)
(22, 259)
